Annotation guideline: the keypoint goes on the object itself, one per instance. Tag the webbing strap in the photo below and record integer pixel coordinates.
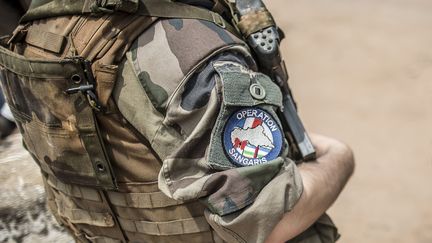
(74, 190)
(54, 8)
(81, 216)
(176, 227)
(90, 136)
(151, 8)
(120, 199)
(142, 200)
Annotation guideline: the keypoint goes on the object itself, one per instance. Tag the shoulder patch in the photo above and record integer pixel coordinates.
(251, 137)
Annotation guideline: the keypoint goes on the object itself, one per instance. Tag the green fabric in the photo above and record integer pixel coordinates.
(92, 141)
(52, 8)
(157, 94)
(236, 95)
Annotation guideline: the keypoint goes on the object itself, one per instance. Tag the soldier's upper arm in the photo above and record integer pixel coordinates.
(220, 141)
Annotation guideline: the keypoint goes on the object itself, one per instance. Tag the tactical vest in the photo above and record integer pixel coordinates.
(58, 71)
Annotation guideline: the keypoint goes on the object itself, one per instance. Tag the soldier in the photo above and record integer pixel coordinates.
(151, 122)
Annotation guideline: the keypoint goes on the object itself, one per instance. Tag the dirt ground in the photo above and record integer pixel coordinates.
(361, 71)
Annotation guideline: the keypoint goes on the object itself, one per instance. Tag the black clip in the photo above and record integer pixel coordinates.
(88, 89)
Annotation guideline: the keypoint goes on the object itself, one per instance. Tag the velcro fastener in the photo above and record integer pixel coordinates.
(45, 40)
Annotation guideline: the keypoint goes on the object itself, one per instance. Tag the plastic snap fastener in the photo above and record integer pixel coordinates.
(257, 91)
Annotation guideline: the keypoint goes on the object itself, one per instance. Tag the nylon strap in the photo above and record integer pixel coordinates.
(177, 227)
(90, 137)
(142, 200)
(151, 8)
(54, 8)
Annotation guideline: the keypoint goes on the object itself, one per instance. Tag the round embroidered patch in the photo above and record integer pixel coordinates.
(251, 137)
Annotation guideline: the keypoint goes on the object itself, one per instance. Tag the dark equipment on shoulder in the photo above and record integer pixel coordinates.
(258, 27)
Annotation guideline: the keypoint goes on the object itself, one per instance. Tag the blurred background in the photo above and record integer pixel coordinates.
(361, 71)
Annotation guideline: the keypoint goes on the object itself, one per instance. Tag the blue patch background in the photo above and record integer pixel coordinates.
(233, 122)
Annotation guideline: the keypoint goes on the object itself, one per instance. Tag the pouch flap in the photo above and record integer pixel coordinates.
(241, 87)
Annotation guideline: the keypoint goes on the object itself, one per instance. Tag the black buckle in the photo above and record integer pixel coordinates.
(89, 87)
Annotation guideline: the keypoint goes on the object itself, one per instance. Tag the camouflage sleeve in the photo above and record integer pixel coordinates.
(234, 157)
(221, 142)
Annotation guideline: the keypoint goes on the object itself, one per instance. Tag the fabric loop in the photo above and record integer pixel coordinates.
(142, 200)
(151, 8)
(177, 227)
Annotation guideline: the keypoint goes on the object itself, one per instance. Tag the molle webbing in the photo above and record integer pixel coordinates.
(176, 227)
(147, 200)
(148, 8)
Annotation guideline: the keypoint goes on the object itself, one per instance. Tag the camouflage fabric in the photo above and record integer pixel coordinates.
(134, 210)
(182, 113)
(173, 179)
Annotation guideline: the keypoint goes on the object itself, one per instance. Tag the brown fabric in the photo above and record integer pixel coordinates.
(254, 22)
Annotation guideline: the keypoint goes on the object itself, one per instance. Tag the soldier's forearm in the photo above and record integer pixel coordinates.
(323, 180)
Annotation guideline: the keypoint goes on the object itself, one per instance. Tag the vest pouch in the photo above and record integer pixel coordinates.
(59, 129)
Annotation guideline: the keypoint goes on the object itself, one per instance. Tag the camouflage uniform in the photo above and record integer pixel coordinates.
(174, 90)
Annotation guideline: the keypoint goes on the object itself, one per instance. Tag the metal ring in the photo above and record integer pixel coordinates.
(257, 91)
(76, 78)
